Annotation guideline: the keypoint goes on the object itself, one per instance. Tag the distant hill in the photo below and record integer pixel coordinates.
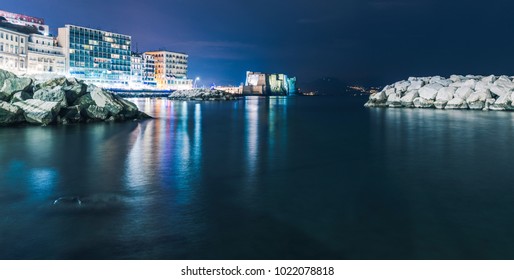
(331, 86)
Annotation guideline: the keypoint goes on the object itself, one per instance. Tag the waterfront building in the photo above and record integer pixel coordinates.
(171, 70)
(96, 56)
(44, 56)
(24, 47)
(269, 84)
(149, 70)
(136, 70)
(13, 50)
(24, 20)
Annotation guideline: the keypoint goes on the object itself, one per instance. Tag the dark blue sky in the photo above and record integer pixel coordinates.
(371, 42)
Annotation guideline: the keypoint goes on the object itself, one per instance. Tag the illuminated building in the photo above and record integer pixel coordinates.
(96, 56)
(44, 56)
(269, 84)
(149, 70)
(136, 70)
(13, 50)
(24, 47)
(171, 70)
(23, 20)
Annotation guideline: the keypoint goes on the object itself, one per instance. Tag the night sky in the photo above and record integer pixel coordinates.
(369, 42)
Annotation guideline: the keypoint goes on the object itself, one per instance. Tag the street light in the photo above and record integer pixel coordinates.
(196, 82)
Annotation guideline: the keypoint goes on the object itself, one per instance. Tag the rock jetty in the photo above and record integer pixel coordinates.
(454, 93)
(59, 100)
(202, 95)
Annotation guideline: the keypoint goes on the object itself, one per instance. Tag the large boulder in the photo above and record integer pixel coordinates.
(71, 114)
(504, 82)
(50, 83)
(74, 91)
(420, 102)
(377, 99)
(84, 101)
(130, 109)
(429, 92)
(39, 111)
(476, 101)
(13, 85)
(463, 92)
(444, 95)
(105, 99)
(402, 86)
(456, 104)
(503, 103)
(55, 94)
(394, 101)
(10, 114)
(21, 96)
(415, 85)
(97, 113)
(408, 99)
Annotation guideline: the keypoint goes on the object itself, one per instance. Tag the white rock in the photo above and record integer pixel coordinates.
(415, 85)
(483, 85)
(445, 94)
(456, 103)
(420, 102)
(390, 91)
(408, 99)
(394, 100)
(489, 79)
(479, 96)
(504, 82)
(38, 111)
(463, 92)
(378, 97)
(456, 78)
(440, 104)
(402, 86)
(429, 91)
(477, 100)
(444, 82)
(499, 90)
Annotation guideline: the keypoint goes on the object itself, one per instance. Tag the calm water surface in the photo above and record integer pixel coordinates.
(277, 178)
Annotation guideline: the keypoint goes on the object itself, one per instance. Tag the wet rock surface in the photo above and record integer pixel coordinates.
(59, 100)
(454, 93)
(202, 95)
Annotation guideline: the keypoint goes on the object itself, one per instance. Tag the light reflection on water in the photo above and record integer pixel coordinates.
(262, 178)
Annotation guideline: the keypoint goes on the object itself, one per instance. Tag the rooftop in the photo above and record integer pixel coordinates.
(19, 28)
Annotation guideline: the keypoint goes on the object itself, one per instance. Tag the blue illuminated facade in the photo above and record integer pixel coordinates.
(96, 56)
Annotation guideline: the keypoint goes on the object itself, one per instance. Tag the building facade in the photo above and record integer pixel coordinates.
(44, 56)
(149, 70)
(171, 70)
(96, 56)
(269, 84)
(13, 50)
(136, 71)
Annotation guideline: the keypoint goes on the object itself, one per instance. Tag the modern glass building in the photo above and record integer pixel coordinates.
(96, 56)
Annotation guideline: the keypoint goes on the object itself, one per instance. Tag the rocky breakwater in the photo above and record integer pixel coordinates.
(202, 95)
(457, 92)
(59, 100)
